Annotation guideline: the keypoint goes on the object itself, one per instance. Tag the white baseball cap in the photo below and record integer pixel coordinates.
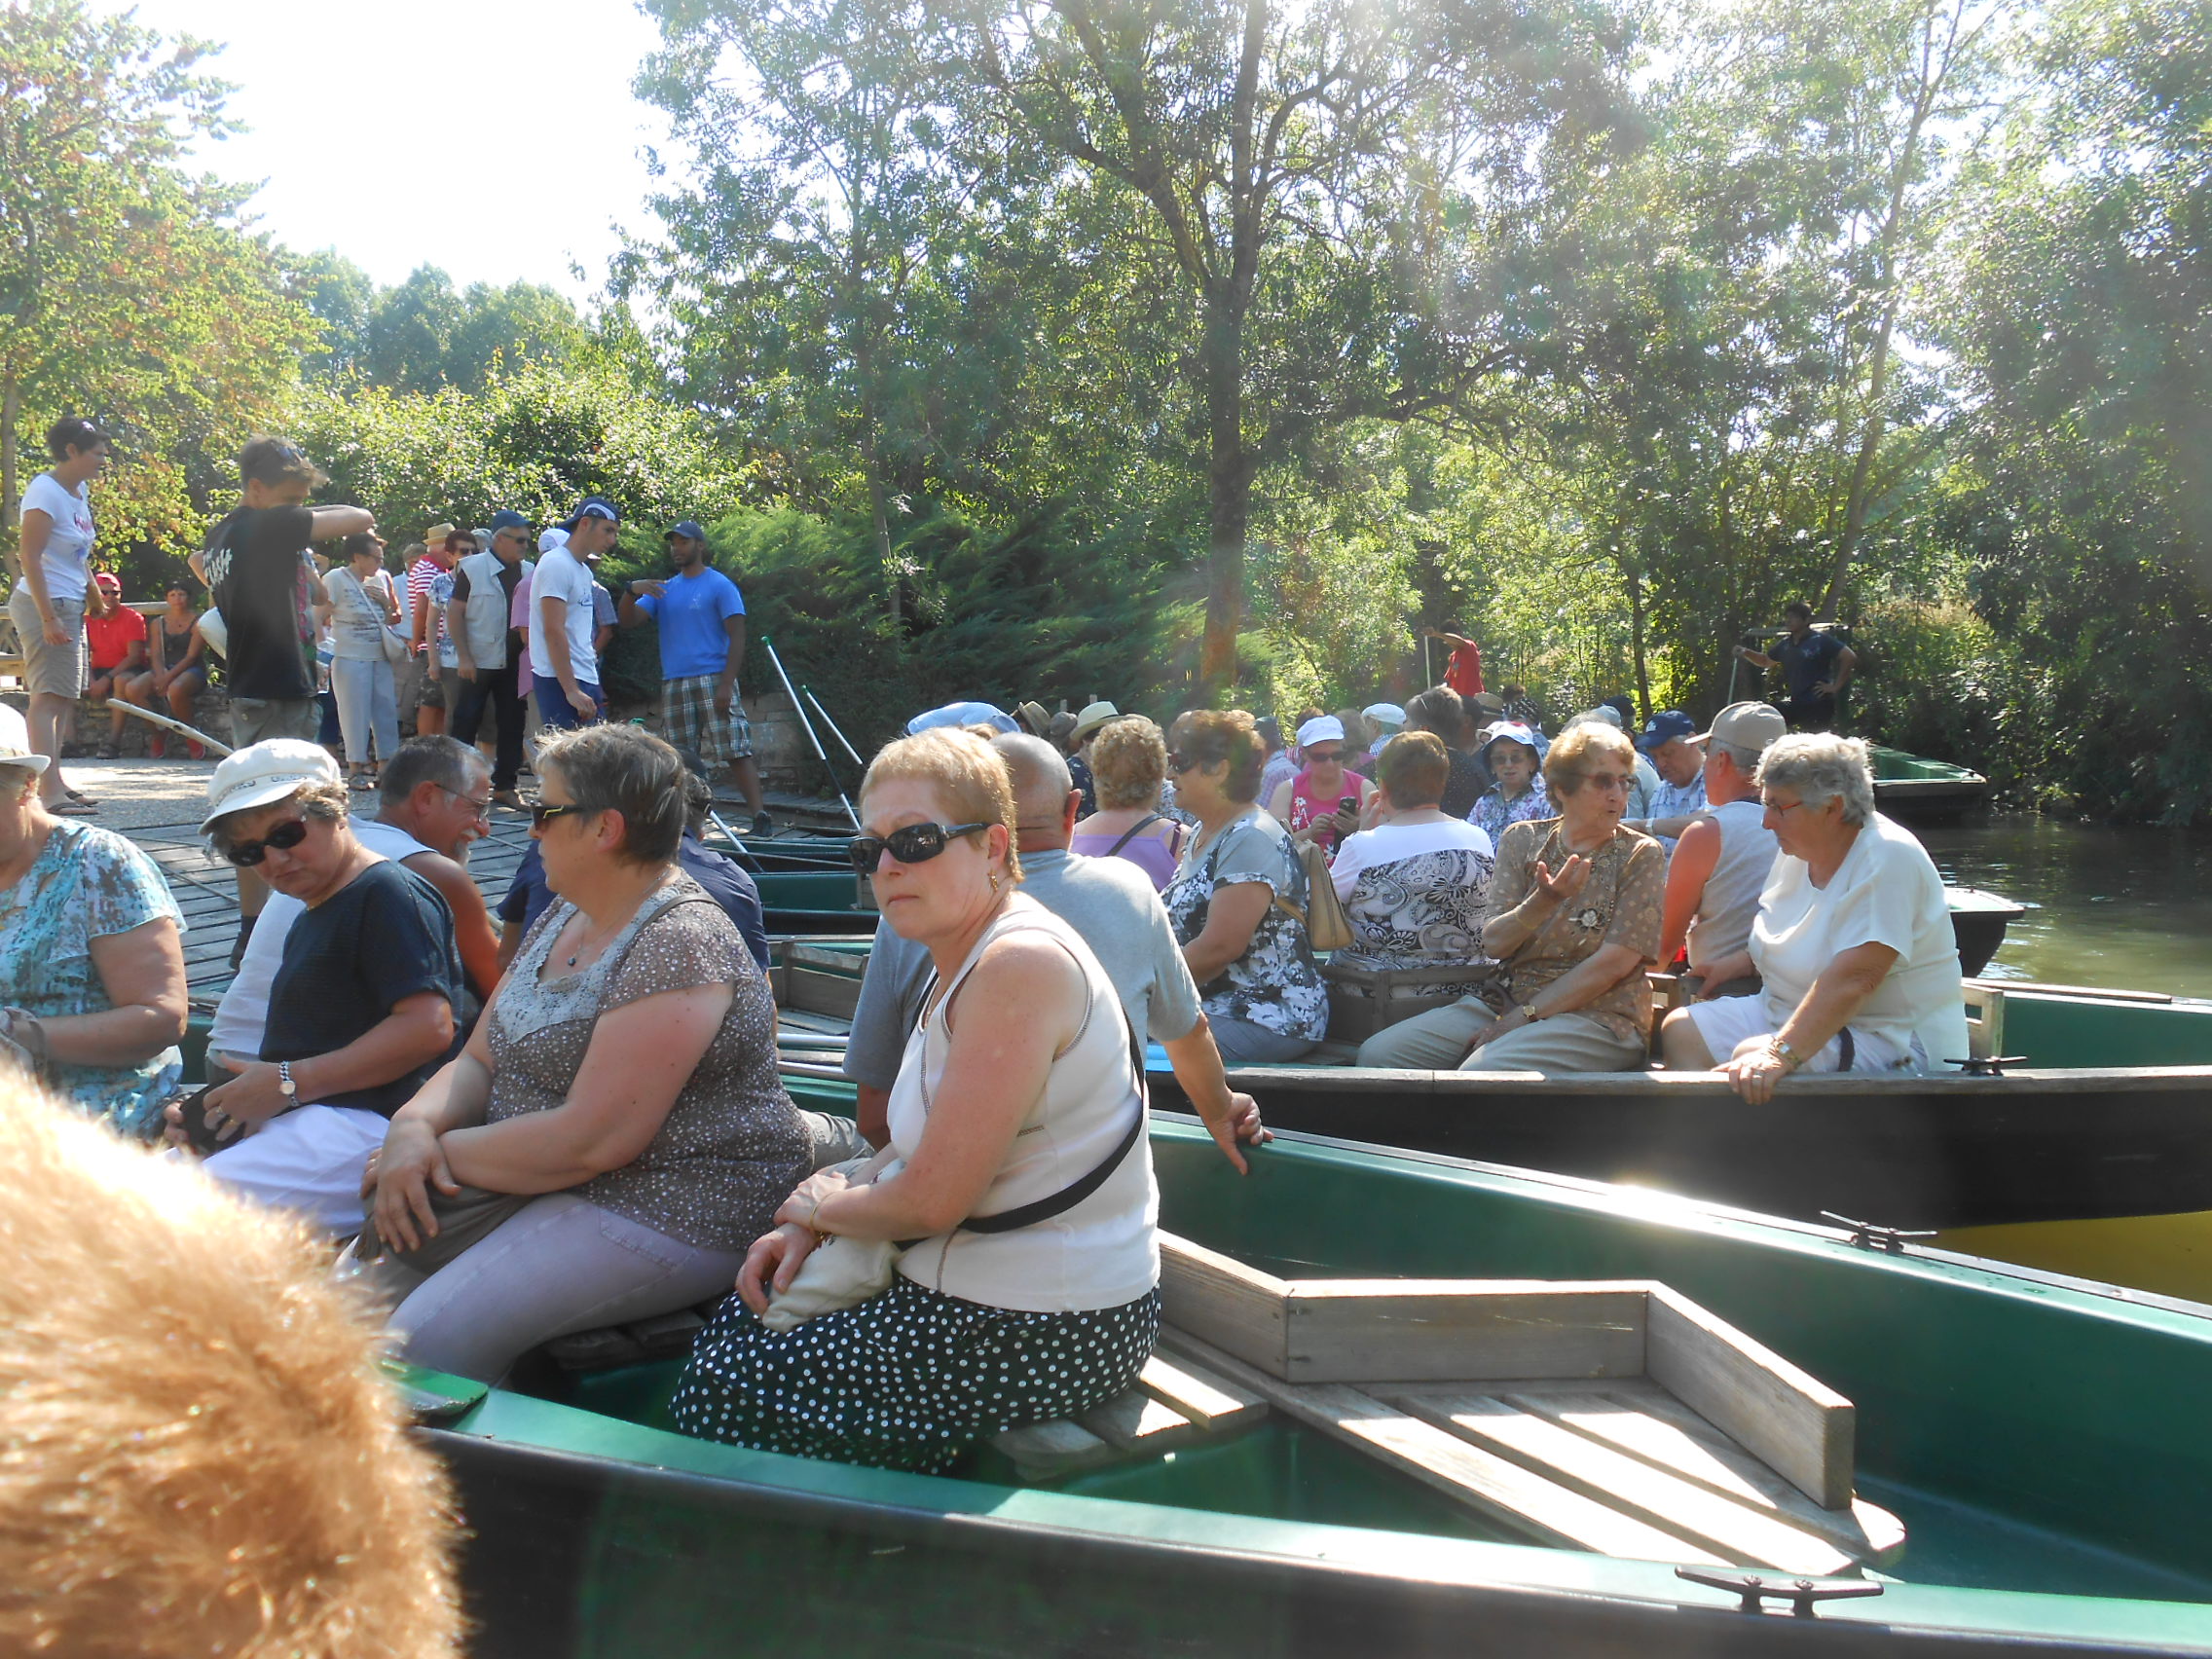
(265, 772)
(1321, 728)
(1385, 714)
(15, 740)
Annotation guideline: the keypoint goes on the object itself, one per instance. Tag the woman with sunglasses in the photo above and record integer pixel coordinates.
(1311, 804)
(621, 1087)
(1022, 1091)
(92, 973)
(1573, 922)
(1260, 988)
(369, 1002)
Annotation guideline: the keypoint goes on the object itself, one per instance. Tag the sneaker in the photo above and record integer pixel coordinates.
(195, 750)
(762, 826)
(158, 747)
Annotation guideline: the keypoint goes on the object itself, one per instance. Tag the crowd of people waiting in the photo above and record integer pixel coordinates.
(574, 1118)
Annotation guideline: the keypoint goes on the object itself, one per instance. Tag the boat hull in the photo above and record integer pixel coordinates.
(594, 1534)
(1908, 1152)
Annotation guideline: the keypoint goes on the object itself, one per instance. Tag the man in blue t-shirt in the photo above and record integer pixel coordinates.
(702, 647)
(1815, 667)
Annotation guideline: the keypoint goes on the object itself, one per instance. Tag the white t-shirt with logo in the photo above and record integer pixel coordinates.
(69, 544)
(562, 575)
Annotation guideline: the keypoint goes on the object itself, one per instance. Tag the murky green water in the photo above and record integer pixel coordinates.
(2123, 907)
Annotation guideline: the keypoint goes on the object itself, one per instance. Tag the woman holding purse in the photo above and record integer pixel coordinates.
(1018, 1093)
(362, 610)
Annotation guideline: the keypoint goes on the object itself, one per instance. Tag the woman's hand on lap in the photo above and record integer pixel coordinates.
(410, 1164)
(809, 1196)
(773, 1263)
(252, 1097)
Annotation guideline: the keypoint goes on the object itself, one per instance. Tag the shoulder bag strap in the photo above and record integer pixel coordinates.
(1135, 830)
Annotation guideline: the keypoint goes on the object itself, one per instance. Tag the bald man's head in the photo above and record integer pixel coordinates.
(1042, 790)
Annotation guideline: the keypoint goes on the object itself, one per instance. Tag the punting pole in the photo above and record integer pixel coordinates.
(843, 742)
(807, 726)
(172, 724)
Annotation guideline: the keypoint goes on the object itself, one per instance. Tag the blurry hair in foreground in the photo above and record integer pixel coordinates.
(199, 1457)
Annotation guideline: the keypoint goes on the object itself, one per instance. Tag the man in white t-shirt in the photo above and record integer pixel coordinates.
(564, 664)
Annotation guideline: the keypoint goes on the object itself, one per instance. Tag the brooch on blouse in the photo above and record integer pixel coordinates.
(1587, 918)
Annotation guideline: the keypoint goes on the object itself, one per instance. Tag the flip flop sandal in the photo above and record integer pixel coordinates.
(72, 806)
(107, 752)
(81, 797)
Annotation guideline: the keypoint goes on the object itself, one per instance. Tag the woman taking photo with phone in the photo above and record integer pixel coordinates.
(1313, 804)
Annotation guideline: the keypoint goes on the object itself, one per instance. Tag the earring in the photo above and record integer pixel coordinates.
(994, 874)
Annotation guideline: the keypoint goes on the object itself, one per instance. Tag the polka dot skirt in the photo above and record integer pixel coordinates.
(907, 1379)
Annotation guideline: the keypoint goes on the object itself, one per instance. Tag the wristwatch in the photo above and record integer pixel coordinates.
(285, 1082)
(1528, 1011)
(1784, 1053)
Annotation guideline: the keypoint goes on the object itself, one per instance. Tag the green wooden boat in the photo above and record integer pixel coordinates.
(1916, 790)
(2040, 1439)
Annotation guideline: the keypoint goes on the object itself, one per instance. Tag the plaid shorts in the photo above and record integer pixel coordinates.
(690, 720)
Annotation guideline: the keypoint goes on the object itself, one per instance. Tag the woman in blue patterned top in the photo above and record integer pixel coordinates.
(1512, 755)
(92, 969)
(1262, 992)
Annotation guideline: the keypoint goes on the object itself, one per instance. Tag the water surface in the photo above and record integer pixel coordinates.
(2130, 909)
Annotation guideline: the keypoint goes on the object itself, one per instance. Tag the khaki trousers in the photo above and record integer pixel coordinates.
(1441, 1040)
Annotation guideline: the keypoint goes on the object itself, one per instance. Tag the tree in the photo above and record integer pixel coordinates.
(1309, 177)
(126, 288)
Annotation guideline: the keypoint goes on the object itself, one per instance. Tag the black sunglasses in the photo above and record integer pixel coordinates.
(541, 815)
(1181, 763)
(916, 843)
(284, 839)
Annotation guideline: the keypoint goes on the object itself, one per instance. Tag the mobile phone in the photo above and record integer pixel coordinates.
(193, 1114)
(1351, 803)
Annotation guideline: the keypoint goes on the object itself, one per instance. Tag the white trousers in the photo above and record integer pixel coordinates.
(308, 1160)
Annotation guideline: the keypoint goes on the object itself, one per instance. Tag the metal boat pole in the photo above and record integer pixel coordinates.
(806, 725)
(176, 725)
(843, 741)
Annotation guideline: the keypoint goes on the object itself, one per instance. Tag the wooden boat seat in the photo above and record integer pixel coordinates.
(1615, 1416)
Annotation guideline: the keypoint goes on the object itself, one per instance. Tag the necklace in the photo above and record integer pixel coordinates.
(586, 941)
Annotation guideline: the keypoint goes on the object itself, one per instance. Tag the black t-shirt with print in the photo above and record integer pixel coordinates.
(257, 568)
(385, 936)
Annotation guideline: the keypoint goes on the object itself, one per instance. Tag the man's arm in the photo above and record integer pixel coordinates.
(464, 663)
(418, 629)
(553, 613)
(1846, 659)
(726, 688)
(330, 522)
(472, 930)
(628, 609)
(1696, 856)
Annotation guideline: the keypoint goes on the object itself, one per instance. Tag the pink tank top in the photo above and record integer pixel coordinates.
(1306, 807)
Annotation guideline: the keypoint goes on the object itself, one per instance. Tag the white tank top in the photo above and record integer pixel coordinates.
(1101, 1252)
(1722, 925)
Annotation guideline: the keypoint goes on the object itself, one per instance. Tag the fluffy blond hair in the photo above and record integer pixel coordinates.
(1128, 763)
(199, 1455)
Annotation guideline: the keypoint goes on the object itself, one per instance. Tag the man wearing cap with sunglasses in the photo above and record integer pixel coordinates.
(487, 647)
(702, 647)
(563, 663)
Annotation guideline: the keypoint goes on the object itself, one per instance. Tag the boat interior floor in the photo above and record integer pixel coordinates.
(1617, 1464)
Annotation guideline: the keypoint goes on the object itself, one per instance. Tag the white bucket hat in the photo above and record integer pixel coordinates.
(265, 772)
(15, 740)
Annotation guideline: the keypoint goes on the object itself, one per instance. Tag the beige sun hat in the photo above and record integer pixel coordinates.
(1094, 716)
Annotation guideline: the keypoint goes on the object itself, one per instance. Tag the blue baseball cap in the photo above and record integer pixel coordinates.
(506, 518)
(688, 528)
(1663, 728)
(593, 506)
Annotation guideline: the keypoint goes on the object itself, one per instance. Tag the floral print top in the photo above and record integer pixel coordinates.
(87, 883)
(1425, 912)
(1618, 904)
(732, 1146)
(1494, 814)
(1275, 983)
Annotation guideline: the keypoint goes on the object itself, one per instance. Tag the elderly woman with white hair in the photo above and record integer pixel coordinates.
(1853, 939)
(1311, 805)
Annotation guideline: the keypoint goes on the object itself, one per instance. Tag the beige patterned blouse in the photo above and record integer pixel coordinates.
(1618, 904)
(732, 1146)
